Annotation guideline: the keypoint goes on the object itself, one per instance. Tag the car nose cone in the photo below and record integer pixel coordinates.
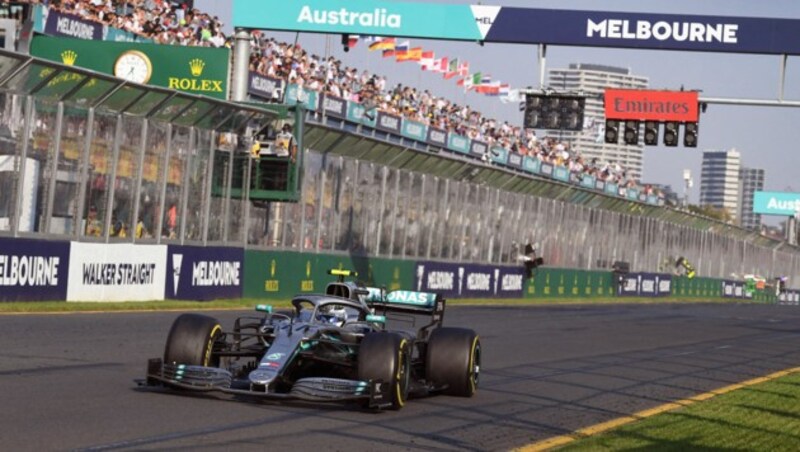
(261, 377)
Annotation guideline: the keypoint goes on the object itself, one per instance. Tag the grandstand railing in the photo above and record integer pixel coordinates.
(432, 139)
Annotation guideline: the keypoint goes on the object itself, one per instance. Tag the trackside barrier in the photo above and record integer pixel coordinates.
(644, 285)
(569, 283)
(469, 280)
(283, 274)
(116, 272)
(33, 270)
(204, 273)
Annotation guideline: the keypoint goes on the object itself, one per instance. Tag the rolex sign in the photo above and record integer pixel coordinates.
(196, 70)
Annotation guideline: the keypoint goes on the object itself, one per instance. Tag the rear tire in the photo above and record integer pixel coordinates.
(386, 357)
(191, 341)
(454, 360)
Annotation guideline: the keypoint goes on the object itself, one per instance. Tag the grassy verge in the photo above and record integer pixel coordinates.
(249, 303)
(764, 416)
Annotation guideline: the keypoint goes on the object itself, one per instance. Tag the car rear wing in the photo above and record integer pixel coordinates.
(406, 301)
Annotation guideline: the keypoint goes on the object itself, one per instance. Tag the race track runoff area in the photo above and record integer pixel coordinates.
(66, 381)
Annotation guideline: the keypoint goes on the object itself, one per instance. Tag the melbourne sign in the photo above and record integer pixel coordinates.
(204, 273)
(116, 272)
(60, 24)
(265, 87)
(524, 25)
(645, 285)
(33, 270)
(196, 70)
(468, 280)
(654, 105)
(776, 203)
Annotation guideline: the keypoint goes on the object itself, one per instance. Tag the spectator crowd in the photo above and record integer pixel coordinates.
(179, 23)
(163, 21)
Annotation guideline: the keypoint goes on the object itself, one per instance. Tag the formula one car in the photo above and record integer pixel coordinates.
(331, 347)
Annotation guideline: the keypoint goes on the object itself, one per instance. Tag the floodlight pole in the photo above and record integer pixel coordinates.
(542, 62)
(241, 65)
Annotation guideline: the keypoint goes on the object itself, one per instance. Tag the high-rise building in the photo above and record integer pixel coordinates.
(592, 80)
(751, 180)
(719, 180)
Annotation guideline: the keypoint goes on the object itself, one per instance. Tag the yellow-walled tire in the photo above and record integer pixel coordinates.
(191, 341)
(386, 357)
(453, 361)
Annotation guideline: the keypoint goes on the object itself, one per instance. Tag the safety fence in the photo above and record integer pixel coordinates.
(32, 269)
(94, 159)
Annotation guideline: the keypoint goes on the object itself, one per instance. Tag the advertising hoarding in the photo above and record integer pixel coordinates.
(635, 104)
(525, 25)
(116, 272)
(469, 280)
(204, 273)
(776, 203)
(196, 70)
(265, 87)
(33, 270)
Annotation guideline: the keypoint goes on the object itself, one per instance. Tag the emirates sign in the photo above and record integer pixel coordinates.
(651, 105)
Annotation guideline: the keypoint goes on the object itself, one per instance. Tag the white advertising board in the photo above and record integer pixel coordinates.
(116, 272)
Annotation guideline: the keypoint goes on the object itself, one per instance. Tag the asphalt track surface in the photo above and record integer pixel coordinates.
(66, 381)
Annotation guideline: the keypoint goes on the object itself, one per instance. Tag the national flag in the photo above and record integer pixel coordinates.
(399, 49)
(452, 69)
(463, 69)
(370, 39)
(383, 44)
(471, 81)
(352, 40)
(426, 61)
(491, 89)
(513, 95)
(414, 54)
(439, 65)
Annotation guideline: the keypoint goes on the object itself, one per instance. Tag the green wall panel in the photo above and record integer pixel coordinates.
(283, 274)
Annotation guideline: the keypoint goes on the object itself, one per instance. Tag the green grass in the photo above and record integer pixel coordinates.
(762, 417)
(249, 303)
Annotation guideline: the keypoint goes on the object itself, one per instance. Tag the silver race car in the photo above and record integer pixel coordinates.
(332, 347)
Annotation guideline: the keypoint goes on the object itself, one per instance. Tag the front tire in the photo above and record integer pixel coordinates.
(191, 341)
(386, 357)
(453, 361)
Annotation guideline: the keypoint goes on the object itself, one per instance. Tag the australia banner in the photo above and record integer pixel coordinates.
(489, 23)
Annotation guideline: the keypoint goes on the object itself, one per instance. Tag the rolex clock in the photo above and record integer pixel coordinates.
(133, 66)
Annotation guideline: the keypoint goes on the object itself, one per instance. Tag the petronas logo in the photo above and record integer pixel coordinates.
(68, 57)
(196, 66)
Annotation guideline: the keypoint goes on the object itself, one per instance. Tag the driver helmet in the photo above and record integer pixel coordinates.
(332, 315)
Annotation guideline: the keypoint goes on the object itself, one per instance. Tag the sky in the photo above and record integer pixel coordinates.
(766, 137)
